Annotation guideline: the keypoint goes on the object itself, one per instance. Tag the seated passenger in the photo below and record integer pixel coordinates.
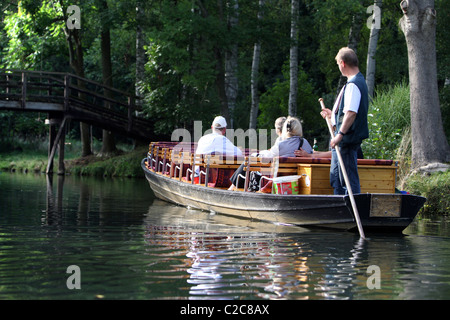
(216, 142)
(292, 139)
(279, 131)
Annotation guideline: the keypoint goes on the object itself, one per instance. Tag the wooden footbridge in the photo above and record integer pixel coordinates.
(67, 97)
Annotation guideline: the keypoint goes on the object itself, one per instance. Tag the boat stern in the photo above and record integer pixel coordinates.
(386, 212)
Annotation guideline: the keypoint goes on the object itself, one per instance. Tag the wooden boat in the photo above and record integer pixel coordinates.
(169, 166)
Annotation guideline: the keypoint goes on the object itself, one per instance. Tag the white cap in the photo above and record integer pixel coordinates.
(219, 122)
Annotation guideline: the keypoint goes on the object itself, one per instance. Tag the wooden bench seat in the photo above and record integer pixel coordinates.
(376, 176)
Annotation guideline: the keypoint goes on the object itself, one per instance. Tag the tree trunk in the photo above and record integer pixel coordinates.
(293, 65)
(254, 86)
(108, 143)
(78, 65)
(231, 62)
(372, 48)
(429, 143)
(140, 52)
(76, 61)
(254, 76)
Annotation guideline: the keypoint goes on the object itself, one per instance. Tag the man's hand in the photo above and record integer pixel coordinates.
(326, 113)
(335, 141)
(300, 153)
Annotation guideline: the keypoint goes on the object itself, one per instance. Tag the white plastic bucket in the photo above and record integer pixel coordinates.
(286, 185)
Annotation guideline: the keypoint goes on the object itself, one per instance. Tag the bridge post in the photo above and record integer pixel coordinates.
(56, 142)
(51, 142)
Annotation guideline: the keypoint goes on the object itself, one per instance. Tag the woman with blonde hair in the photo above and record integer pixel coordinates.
(292, 140)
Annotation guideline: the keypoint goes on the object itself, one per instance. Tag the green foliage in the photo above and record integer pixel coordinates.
(274, 103)
(27, 126)
(389, 116)
(445, 109)
(184, 39)
(181, 69)
(330, 30)
(436, 188)
(442, 39)
(391, 56)
(34, 40)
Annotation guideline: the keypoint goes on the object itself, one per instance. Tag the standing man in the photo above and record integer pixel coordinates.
(349, 120)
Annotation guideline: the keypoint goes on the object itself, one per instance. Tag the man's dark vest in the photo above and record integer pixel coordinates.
(359, 129)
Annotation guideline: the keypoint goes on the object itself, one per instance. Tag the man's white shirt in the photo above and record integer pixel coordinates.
(352, 98)
(217, 143)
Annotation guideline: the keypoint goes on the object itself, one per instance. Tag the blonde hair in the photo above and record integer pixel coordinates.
(292, 127)
(279, 123)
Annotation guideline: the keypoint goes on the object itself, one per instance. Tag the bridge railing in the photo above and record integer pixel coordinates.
(64, 88)
(23, 86)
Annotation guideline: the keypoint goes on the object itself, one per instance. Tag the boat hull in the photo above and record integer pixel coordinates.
(330, 211)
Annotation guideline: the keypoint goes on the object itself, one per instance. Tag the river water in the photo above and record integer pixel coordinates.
(87, 238)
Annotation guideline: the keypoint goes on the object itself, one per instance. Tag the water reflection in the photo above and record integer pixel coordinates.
(221, 257)
(54, 202)
(227, 258)
(95, 201)
(132, 246)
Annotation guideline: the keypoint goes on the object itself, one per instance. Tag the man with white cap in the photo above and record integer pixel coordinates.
(216, 142)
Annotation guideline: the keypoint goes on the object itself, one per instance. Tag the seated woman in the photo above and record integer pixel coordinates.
(279, 123)
(292, 139)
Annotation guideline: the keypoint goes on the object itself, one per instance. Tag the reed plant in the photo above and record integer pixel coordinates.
(390, 128)
(389, 120)
(403, 156)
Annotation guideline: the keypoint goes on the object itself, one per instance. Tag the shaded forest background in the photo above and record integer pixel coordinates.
(192, 60)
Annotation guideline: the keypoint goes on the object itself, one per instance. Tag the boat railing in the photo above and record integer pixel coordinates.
(196, 163)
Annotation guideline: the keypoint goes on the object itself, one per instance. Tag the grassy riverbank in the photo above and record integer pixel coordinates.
(123, 165)
(435, 187)
(25, 158)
